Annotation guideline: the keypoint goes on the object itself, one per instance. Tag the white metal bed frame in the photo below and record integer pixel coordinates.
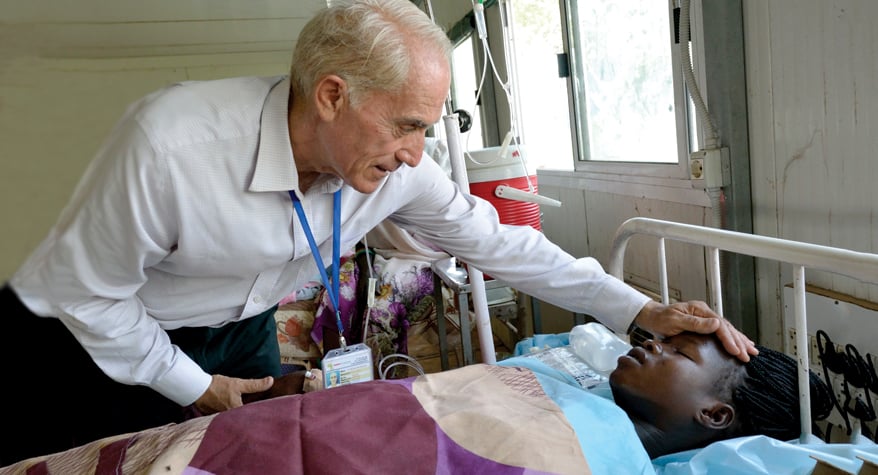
(858, 265)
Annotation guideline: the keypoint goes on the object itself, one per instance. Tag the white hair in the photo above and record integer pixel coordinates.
(368, 43)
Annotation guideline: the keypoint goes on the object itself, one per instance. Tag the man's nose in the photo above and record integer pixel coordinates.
(412, 150)
(409, 158)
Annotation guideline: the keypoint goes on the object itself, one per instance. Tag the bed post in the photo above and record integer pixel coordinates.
(476, 278)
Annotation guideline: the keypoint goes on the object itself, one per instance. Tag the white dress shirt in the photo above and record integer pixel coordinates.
(184, 219)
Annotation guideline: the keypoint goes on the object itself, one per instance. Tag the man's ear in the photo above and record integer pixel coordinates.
(718, 417)
(330, 96)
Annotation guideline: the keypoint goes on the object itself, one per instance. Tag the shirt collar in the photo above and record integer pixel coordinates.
(275, 166)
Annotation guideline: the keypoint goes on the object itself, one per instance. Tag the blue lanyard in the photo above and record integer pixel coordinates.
(332, 290)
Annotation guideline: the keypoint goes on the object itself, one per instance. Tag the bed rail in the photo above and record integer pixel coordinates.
(858, 265)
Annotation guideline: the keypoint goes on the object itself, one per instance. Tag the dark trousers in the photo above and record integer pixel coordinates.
(57, 397)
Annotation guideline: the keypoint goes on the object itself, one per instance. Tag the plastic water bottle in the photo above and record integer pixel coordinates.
(598, 346)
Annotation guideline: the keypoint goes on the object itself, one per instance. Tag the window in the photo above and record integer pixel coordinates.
(545, 112)
(623, 80)
(620, 102)
(542, 113)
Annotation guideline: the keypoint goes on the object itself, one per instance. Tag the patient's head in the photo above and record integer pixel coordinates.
(687, 391)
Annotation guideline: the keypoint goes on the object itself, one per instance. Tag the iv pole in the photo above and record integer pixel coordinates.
(476, 278)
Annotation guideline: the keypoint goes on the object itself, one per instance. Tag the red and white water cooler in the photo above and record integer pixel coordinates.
(503, 181)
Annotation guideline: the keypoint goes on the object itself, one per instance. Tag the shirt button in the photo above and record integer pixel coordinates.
(257, 299)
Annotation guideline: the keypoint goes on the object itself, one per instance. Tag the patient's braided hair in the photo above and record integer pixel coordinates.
(767, 402)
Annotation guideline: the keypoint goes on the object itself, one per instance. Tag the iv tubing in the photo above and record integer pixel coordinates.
(712, 139)
(509, 86)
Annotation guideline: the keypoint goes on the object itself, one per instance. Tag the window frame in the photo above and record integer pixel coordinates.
(625, 171)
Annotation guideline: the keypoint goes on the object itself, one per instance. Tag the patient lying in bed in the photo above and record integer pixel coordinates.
(686, 392)
(518, 415)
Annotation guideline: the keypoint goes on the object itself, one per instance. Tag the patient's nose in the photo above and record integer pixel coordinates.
(653, 346)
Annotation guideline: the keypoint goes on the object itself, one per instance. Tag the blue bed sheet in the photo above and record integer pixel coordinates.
(755, 455)
(760, 455)
(595, 420)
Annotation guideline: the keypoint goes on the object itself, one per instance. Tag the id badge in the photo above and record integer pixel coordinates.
(353, 364)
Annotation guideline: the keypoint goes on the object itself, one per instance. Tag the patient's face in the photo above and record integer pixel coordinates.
(666, 383)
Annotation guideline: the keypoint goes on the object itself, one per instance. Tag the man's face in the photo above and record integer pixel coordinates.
(666, 383)
(386, 131)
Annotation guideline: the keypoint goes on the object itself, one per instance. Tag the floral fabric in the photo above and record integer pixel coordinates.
(403, 296)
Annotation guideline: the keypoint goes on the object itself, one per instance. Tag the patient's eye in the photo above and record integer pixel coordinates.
(681, 350)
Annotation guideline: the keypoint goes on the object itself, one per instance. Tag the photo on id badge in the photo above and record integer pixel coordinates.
(351, 364)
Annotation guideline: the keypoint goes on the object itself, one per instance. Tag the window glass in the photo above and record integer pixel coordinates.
(543, 95)
(623, 80)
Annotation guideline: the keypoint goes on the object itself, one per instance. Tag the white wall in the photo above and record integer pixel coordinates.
(811, 75)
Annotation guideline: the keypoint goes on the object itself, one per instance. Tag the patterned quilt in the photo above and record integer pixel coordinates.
(477, 419)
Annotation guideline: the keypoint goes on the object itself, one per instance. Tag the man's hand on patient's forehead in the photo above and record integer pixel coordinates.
(695, 316)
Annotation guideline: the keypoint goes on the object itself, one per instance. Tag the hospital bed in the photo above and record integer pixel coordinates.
(764, 455)
(480, 418)
(798, 255)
